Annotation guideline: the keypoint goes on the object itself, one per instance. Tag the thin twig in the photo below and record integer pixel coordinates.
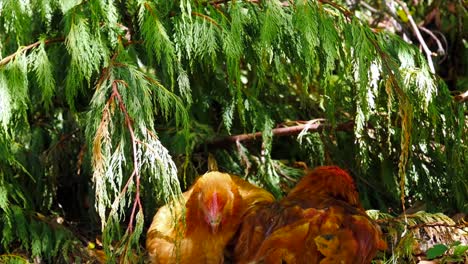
(7, 59)
(285, 4)
(441, 50)
(418, 35)
(105, 71)
(62, 139)
(282, 131)
(348, 14)
(215, 3)
(207, 18)
(369, 7)
(136, 172)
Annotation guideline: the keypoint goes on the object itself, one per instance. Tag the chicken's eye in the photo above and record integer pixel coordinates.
(328, 236)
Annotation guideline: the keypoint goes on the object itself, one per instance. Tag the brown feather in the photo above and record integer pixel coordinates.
(320, 221)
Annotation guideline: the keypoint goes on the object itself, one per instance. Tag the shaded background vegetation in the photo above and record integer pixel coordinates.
(108, 109)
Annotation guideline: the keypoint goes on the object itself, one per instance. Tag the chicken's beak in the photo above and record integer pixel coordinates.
(213, 212)
(215, 223)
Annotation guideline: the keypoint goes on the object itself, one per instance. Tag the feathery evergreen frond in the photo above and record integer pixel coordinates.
(157, 42)
(43, 69)
(86, 52)
(124, 108)
(6, 103)
(117, 104)
(16, 20)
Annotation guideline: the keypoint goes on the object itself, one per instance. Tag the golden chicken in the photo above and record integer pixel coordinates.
(320, 221)
(197, 229)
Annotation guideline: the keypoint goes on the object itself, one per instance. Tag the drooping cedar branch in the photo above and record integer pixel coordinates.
(136, 172)
(281, 131)
(116, 97)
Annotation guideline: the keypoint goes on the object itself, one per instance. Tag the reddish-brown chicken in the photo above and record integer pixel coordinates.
(320, 221)
(197, 229)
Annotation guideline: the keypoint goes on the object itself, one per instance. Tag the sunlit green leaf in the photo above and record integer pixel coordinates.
(436, 251)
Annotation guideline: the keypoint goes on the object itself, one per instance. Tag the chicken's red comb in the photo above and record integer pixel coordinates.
(333, 171)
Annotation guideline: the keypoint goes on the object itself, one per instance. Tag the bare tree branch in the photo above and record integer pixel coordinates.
(418, 35)
(282, 131)
(441, 49)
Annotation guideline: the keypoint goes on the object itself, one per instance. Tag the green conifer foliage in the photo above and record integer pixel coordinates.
(109, 109)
